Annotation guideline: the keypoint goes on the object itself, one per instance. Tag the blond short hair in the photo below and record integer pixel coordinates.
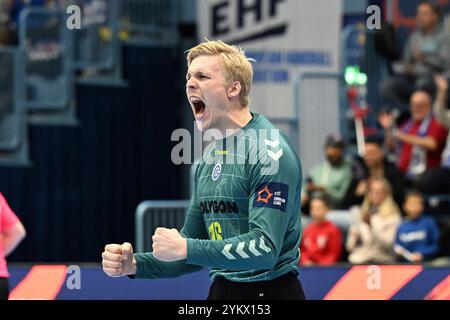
(236, 66)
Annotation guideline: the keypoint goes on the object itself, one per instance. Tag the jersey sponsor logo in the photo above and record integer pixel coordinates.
(216, 171)
(221, 152)
(264, 195)
(272, 195)
(218, 207)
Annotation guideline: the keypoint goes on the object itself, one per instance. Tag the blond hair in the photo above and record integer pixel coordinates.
(236, 66)
(388, 207)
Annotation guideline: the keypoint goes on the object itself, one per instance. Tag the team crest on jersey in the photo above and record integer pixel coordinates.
(217, 170)
(272, 195)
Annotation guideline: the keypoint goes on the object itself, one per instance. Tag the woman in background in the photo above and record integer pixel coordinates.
(12, 233)
(371, 237)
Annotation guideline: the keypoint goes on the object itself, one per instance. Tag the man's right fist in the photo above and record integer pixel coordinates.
(118, 260)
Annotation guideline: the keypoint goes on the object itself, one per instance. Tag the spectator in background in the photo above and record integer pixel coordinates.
(374, 164)
(322, 239)
(372, 234)
(333, 176)
(418, 236)
(426, 52)
(437, 181)
(419, 142)
(11, 234)
(6, 36)
(11, 9)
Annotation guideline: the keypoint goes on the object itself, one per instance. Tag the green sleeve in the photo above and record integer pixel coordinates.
(148, 267)
(260, 248)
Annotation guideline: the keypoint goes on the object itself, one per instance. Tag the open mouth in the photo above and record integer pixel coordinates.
(199, 106)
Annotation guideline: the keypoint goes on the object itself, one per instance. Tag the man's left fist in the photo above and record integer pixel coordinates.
(169, 245)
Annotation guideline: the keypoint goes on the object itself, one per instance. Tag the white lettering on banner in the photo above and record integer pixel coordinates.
(229, 16)
(285, 37)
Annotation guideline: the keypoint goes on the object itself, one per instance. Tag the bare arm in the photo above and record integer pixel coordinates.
(440, 112)
(387, 121)
(428, 143)
(12, 237)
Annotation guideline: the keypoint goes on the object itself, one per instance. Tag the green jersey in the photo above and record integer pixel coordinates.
(243, 221)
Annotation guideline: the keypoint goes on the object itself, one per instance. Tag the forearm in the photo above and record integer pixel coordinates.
(330, 258)
(10, 243)
(252, 250)
(352, 239)
(327, 258)
(385, 239)
(148, 267)
(440, 112)
(389, 140)
(425, 142)
(430, 251)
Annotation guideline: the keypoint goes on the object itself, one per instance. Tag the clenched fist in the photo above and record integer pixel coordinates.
(118, 260)
(169, 245)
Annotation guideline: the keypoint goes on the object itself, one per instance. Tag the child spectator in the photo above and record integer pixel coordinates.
(418, 236)
(322, 239)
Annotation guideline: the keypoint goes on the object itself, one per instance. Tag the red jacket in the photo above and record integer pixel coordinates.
(436, 131)
(321, 243)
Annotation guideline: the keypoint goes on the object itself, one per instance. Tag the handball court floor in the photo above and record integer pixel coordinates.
(64, 282)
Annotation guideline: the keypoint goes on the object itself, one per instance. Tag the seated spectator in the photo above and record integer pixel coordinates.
(437, 181)
(426, 52)
(374, 164)
(418, 236)
(332, 176)
(419, 142)
(322, 239)
(372, 235)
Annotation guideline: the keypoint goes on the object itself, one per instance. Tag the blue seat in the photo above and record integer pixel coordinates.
(13, 119)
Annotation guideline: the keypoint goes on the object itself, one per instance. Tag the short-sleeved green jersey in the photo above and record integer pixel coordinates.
(243, 221)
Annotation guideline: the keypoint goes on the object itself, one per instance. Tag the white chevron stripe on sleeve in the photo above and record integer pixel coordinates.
(226, 252)
(253, 250)
(240, 250)
(272, 144)
(275, 155)
(263, 246)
